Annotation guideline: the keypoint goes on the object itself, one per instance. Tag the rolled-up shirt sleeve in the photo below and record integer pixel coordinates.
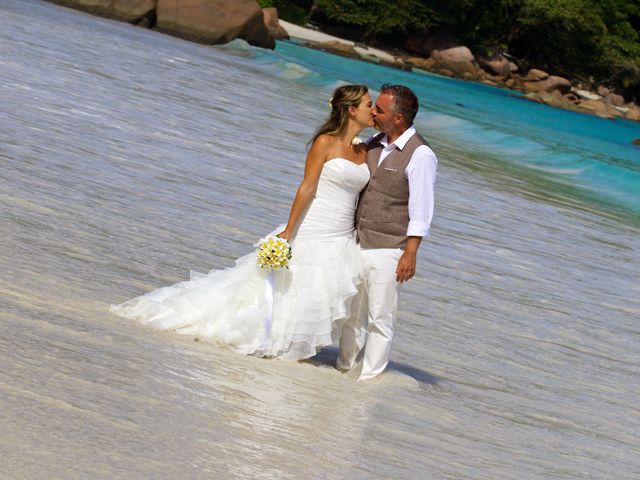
(421, 173)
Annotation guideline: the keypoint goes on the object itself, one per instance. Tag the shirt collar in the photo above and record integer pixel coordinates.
(401, 141)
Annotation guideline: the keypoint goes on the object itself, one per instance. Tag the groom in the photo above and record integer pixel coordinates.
(394, 213)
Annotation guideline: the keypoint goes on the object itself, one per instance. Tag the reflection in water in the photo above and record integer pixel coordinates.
(123, 167)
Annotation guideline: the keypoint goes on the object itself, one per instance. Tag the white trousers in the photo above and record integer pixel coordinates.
(373, 314)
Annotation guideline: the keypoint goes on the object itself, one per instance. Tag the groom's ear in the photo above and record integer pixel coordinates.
(400, 120)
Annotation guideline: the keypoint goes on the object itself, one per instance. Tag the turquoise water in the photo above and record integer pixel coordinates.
(589, 156)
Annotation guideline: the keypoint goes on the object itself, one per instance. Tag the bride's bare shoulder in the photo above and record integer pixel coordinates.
(325, 140)
(324, 144)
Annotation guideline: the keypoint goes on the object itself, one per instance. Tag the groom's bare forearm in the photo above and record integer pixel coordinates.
(406, 268)
(413, 243)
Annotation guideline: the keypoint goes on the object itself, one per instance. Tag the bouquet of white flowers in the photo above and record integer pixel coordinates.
(273, 253)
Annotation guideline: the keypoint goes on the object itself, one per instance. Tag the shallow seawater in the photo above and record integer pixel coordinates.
(129, 158)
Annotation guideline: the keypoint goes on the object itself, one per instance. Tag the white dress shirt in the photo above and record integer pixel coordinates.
(421, 173)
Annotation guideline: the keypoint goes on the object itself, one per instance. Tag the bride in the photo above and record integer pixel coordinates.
(311, 300)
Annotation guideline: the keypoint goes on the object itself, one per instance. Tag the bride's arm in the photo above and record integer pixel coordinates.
(313, 167)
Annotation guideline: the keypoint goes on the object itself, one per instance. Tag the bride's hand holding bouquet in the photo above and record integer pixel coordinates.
(273, 253)
(285, 234)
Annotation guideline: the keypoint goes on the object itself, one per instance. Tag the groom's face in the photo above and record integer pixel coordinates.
(383, 116)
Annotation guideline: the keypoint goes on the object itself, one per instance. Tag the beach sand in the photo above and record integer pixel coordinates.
(318, 38)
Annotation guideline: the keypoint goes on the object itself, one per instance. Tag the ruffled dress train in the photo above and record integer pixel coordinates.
(311, 300)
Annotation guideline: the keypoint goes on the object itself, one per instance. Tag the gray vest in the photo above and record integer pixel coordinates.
(382, 216)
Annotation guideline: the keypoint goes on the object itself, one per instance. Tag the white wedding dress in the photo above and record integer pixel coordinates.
(311, 300)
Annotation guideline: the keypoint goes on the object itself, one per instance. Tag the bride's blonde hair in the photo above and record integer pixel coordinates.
(343, 98)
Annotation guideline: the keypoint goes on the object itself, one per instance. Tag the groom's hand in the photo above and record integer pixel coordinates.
(406, 267)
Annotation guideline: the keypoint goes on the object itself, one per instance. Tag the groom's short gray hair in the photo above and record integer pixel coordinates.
(404, 100)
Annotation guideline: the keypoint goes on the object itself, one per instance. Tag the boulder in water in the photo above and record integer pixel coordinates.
(615, 99)
(214, 21)
(599, 108)
(131, 11)
(458, 60)
(273, 24)
(535, 75)
(549, 85)
(633, 113)
(339, 48)
(497, 65)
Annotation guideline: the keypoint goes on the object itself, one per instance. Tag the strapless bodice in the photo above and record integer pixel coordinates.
(331, 212)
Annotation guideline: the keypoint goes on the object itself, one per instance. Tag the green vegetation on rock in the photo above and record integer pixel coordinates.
(377, 16)
(595, 41)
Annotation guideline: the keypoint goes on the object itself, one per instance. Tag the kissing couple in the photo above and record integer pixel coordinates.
(355, 226)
